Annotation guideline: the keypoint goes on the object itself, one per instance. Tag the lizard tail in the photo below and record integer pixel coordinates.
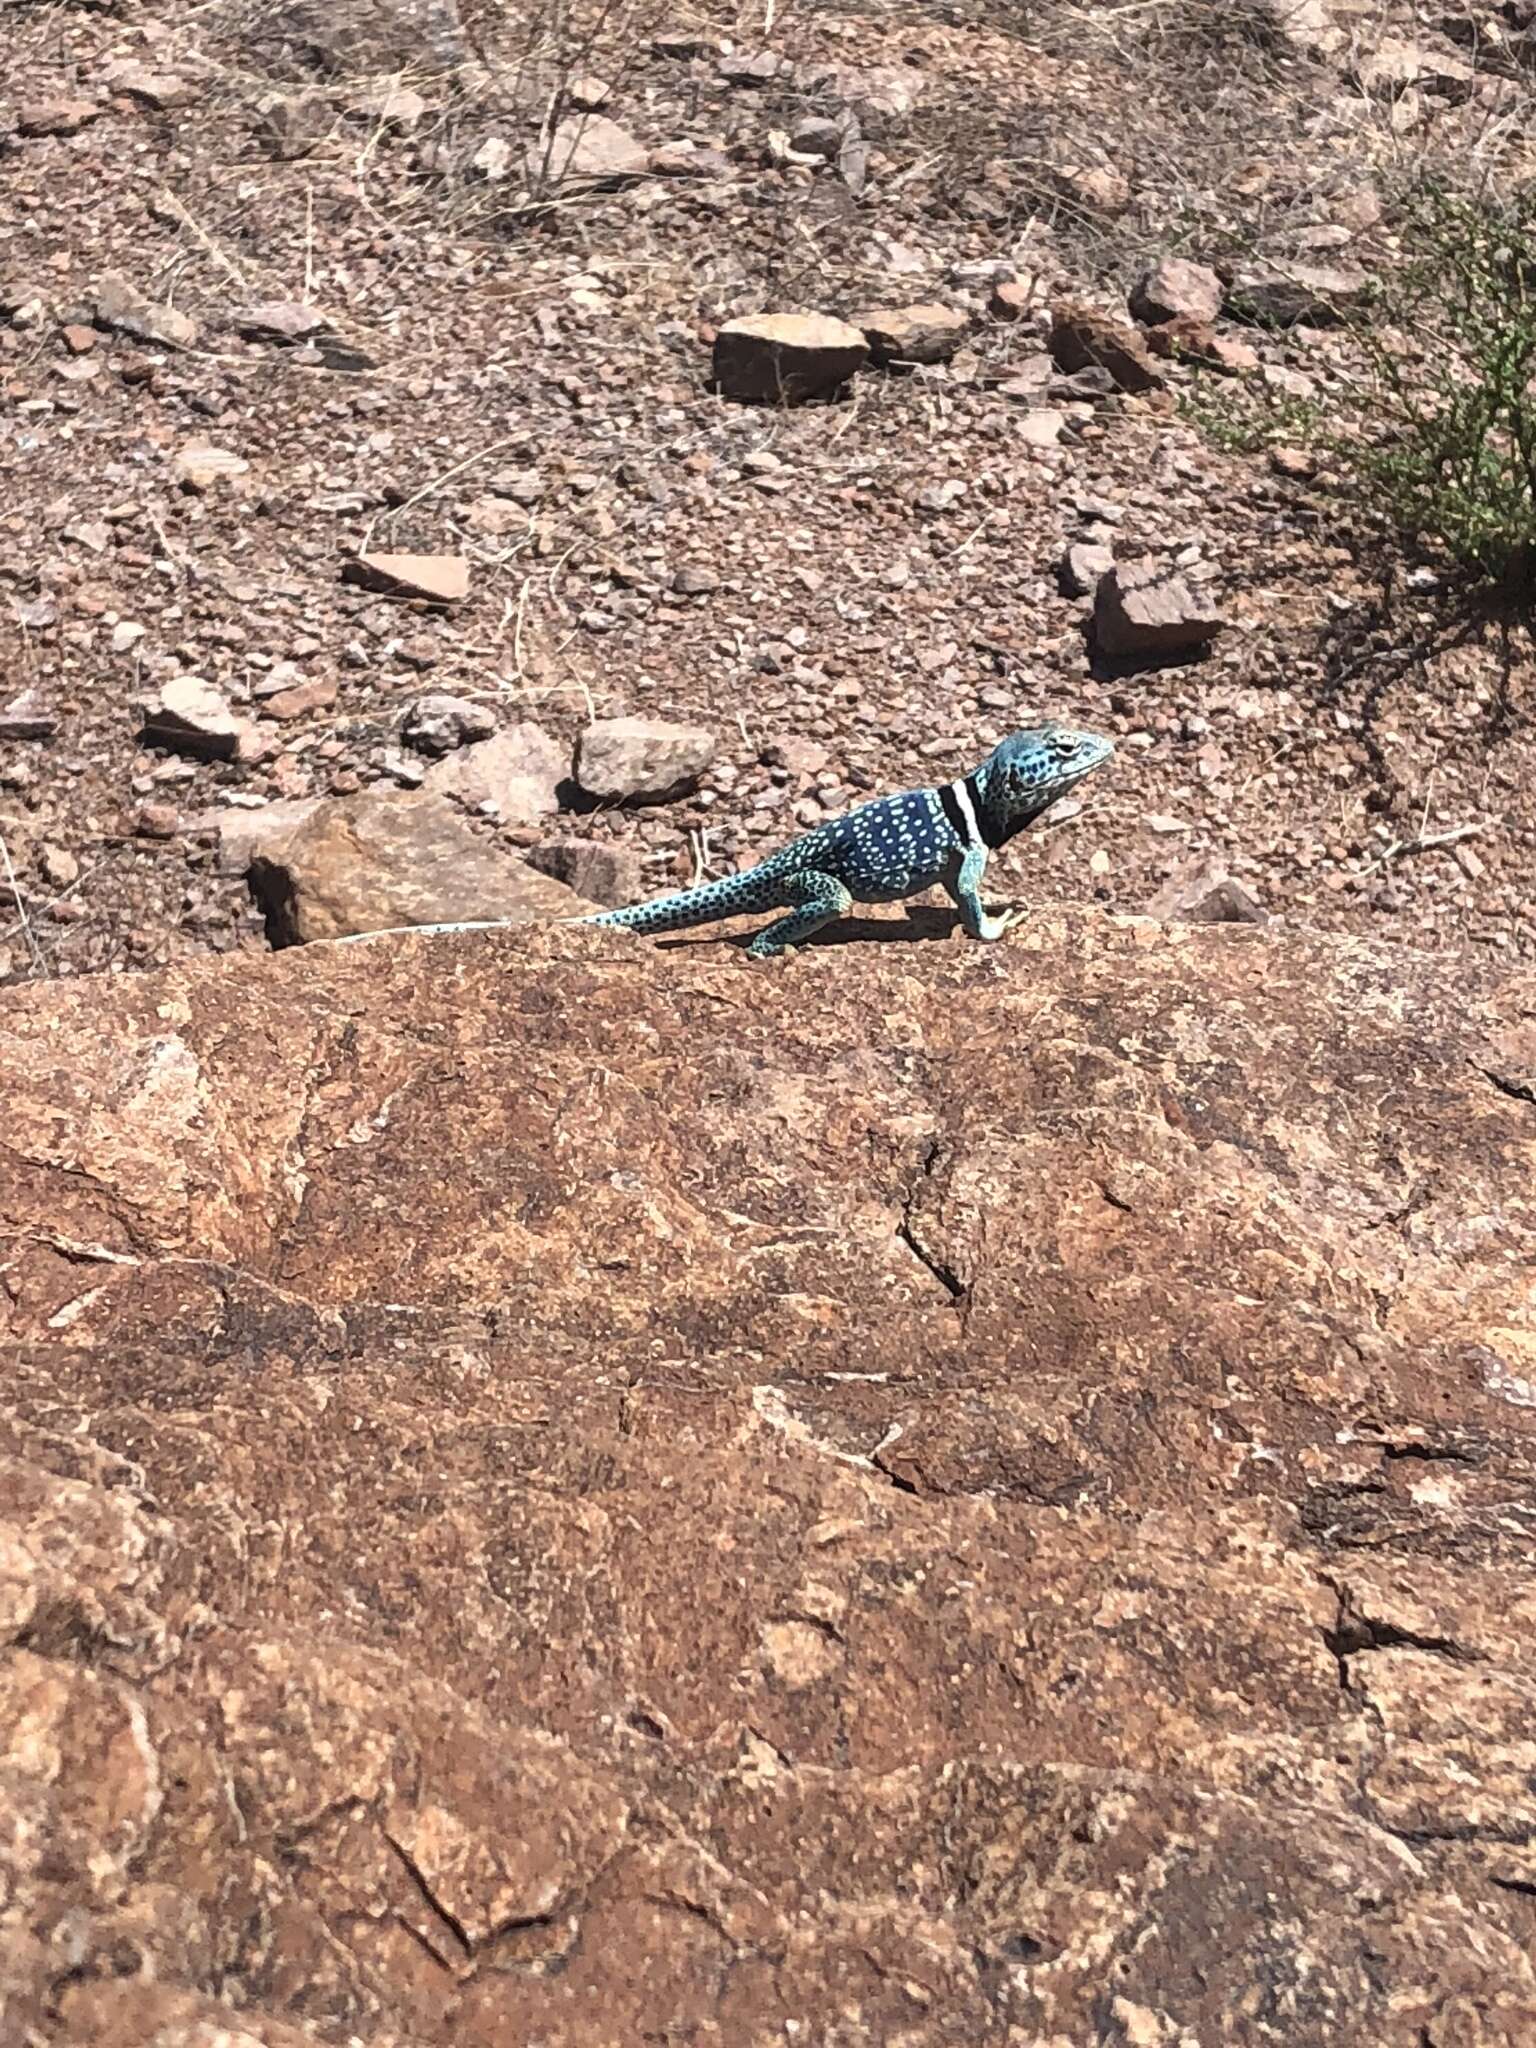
(731, 896)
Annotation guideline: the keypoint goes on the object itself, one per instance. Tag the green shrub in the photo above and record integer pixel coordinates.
(1431, 423)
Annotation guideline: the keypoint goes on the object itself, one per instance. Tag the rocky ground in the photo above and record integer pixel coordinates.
(919, 1494)
(285, 286)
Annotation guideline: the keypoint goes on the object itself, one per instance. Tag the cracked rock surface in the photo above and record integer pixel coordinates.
(559, 1491)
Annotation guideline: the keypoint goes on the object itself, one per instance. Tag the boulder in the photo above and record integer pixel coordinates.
(1144, 609)
(641, 760)
(786, 358)
(372, 862)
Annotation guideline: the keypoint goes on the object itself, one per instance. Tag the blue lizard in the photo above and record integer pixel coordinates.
(894, 847)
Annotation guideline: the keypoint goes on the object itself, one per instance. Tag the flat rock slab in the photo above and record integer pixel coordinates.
(372, 862)
(988, 1487)
(641, 760)
(439, 579)
(786, 358)
(1145, 609)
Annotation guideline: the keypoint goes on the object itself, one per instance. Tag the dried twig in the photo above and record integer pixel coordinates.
(1424, 842)
(25, 925)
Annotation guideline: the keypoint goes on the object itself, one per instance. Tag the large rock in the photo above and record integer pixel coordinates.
(641, 760)
(785, 358)
(1082, 338)
(369, 863)
(555, 1490)
(1145, 609)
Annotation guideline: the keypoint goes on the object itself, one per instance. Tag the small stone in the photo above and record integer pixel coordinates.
(748, 68)
(56, 117)
(1083, 338)
(59, 867)
(438, 723)
(1292, 462)
(818, 135)
(161, 90)
(438, 579)
(1183, 339)
(316, 693)
(610, 875)
(157, 821)
(1041, 428)
(190, 717)
(281, 321)
(693, 580)
(912, 334)
(800, 757)
(642, 760)
(1010, 299)
(372, 861)
(588, 94)
(199, 466)
(27, 717)
(122, 309)
(1175, 288)
(1205, 894)
(492, 160)
(1144, 609)
(77, 339)
(786, 358)
(1098, 188)
(1083, 567)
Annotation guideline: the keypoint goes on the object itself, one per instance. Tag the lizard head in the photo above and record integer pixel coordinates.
(1028, 771)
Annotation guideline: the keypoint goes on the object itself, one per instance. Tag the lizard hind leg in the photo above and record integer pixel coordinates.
(813, 899)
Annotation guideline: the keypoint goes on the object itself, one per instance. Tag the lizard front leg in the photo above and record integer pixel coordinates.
(966, 890)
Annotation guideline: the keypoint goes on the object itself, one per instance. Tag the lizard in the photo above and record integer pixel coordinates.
(891, 848)
(881, 852)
